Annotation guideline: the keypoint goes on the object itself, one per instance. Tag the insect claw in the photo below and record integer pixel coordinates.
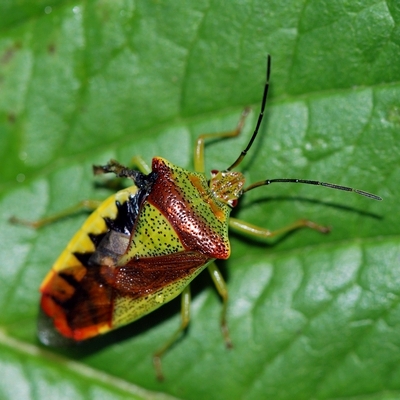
(99, 169)
(112, 166)
(158, 367)
(313, 225)
(31, 224)
(227, 338)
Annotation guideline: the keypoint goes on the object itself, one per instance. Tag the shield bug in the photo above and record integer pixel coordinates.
(142, 246)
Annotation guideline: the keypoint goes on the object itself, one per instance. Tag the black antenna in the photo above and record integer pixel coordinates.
(260, 118)
(317, 183)
(269, 181)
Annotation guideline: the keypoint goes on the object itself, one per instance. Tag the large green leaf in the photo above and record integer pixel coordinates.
(310, 315)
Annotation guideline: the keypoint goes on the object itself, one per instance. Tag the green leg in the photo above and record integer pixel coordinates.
(88, 205)
(185, 318)
(253, 230)
(220, 284)
(142, 166)
(84, 205)
(199, 149)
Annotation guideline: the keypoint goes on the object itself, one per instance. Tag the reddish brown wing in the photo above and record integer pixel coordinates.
(82, 306)
(146, 275)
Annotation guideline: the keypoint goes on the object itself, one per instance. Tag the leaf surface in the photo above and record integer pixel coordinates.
(310, 315)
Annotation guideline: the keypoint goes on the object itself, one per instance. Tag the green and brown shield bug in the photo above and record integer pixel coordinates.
(142, 246)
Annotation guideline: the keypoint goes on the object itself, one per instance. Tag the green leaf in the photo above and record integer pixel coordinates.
(310, 315)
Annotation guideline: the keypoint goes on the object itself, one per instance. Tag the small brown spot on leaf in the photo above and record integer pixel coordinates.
(8, 54)
(11, 117)
(51, 48)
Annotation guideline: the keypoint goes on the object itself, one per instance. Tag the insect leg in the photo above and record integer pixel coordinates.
(220, 284)
(139, 162)
(185, 318)
(84, 205)
(253, 230)
(199, 149)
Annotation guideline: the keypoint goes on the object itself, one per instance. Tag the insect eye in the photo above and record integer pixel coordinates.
(233, 203)
(214, 173)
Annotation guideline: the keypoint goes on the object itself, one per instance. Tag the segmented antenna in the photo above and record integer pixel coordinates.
(260, 118)
(269, 181)
(317, 183)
